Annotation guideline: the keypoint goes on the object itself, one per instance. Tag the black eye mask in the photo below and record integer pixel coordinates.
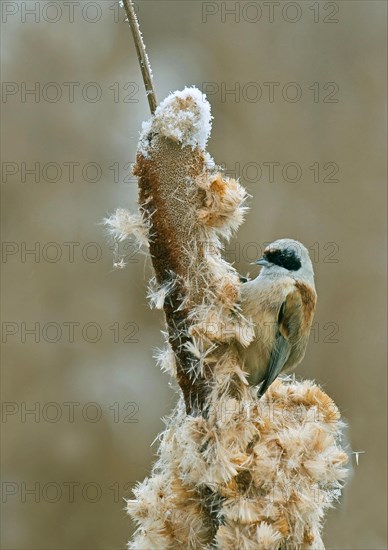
(284, 258)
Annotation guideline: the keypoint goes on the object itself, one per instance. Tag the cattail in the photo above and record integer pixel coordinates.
(233, 472)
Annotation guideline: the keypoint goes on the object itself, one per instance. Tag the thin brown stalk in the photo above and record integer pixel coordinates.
(141, 55)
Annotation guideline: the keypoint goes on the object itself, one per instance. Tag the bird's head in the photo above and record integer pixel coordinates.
(287, 257)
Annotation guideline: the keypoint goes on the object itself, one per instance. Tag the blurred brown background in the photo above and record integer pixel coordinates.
(88, 370)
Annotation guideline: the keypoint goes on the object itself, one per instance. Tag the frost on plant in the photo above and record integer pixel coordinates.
(233, 471)
(183, 117)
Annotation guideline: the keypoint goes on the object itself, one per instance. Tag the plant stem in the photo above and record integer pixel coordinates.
(141, 55)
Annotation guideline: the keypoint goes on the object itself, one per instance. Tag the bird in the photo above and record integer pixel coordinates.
(280, 302)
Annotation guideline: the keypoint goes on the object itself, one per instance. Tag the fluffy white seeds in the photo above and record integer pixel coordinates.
(184, 117)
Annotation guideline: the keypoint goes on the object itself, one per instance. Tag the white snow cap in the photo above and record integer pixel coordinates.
(184, 117)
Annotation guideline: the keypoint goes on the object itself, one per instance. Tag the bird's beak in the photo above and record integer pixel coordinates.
(263, 261)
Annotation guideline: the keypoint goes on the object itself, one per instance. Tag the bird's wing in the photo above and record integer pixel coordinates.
(288, 323)
(277, 360)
